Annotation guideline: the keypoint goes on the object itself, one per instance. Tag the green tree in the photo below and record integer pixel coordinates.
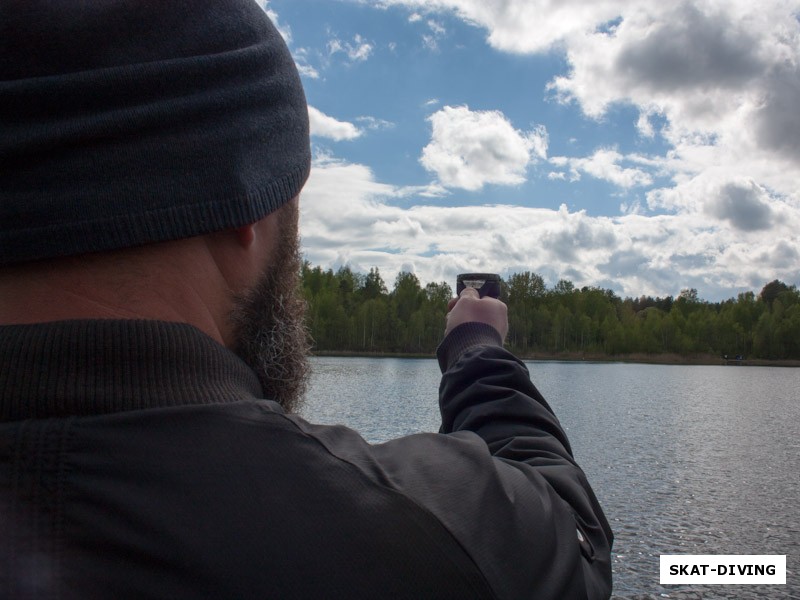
(772, 290)
(373, 286)
(407, 295)
(353, 311)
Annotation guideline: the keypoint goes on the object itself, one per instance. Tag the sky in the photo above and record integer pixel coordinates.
(640, 146)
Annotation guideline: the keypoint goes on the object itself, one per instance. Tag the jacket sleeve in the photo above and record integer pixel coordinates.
(499, 476)
(532, 495)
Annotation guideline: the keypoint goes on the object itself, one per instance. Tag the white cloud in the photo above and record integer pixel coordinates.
(644, 125)
(301, 57)
(524, 25)
(350, 218)
(374, 123)
(717, 81)
(604, 164)
(323, 125)
(430, 42)
(436, 27)
(686, 61)
(737, 203)
(358, 50)
(722, 78)
(631, 208)
(469, 149)
(307, 70)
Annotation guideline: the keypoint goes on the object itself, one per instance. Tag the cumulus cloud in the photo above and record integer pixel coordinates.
(348, 217)
(782, 255)
(469, 149)
(777, 125)
(716, 84)
(323, 125)
(524, 26)
(692, 63)
(686, 48)
(721, 79)
(746, 206)
(726, 200)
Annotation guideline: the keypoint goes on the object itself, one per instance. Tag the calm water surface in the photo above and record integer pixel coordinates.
(684, 459)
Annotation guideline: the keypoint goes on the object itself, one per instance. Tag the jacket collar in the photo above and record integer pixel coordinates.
(85, 367)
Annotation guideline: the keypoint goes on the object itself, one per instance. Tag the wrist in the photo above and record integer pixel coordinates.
(463, 338)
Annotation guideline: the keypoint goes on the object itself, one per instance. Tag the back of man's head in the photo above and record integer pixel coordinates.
(125, 122)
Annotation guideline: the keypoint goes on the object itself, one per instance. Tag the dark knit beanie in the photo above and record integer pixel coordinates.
(126, 122)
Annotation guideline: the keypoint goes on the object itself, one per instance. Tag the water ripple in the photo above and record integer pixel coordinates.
(684, 460)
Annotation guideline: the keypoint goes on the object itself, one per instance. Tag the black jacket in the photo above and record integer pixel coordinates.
(137, 460)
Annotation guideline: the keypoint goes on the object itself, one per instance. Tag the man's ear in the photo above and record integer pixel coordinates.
(242, 253)
(235, 255)
(245, 235)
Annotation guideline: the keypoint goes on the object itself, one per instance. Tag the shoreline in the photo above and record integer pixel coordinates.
(638, 358)
(663, 359)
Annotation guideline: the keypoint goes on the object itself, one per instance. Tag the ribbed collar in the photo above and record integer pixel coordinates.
(82, 367)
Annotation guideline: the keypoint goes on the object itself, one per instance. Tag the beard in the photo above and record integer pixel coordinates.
(269, 325)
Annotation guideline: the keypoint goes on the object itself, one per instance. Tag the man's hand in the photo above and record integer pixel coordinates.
(469, 307)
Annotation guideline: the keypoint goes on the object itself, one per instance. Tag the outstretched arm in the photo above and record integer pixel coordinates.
(564, 540)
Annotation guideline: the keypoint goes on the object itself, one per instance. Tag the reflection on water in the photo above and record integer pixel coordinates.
(684, 459)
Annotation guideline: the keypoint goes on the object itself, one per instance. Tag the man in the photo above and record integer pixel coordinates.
(152, 349)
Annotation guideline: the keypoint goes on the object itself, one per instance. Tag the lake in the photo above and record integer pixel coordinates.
(684, 459)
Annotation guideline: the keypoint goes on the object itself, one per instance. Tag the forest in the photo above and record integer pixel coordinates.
(353, 312)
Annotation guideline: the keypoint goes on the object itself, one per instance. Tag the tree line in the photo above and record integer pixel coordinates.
(356, 312)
